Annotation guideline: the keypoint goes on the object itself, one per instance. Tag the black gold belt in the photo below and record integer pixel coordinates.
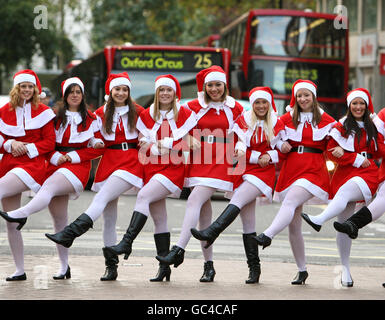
(66, 149)
(123, 146)
(302, 149)
(213, 139)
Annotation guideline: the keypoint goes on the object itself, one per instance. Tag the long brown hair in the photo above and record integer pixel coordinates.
(63, 107)
(110, 109)
(223, 97)
(14, 97)
(157, 106)
(315, 110)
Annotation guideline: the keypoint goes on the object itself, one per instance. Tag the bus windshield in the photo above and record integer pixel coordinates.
(280, 76)
(293, 36)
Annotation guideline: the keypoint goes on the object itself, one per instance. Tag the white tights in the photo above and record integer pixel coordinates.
(377, 206)
(290, 215)
(349, 192)
(198, 197)
(54, 195)
(11, 188)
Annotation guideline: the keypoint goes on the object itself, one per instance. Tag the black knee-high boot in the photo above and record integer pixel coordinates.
(357, 221)
(251, 250)
(111, 261)
(162, 243)
(221, 223)
(67, 236)
(137, 223)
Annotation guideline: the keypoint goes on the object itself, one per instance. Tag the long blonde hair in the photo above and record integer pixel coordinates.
(157, 106)
(14, 97)
(267, 124)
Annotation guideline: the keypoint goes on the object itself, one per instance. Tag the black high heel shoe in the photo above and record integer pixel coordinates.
(20, 221)
(262, 240)
(66, 275)
(208, 272)
(17, 278)
(315, 226)
(300, 278)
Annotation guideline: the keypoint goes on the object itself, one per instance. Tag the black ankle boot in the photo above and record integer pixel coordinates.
(137, 223)
(162, 243)
(67, 236)
(111, 261)
(315, 226)
(300, 278)
(262, 240)
(208, 272)
(20, 221)
(251, 250)
(357, 221)
(175, 257)
(221, 223)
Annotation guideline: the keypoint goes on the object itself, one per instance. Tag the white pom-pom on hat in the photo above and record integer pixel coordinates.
(288, 108)
(42, 95)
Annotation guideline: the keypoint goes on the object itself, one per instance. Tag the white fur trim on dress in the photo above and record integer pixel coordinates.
(168, 184)
(315, 190)
(74, 157)
(26, 178)
(1, 140)
(274, 156)
(367, 194)
(55, 158)
(32, 150)
(359, 160)
(380, 125)
(129, 177)
(74, 180)
(263, 187)
(345, 143)
(254, 156)
(209, 182)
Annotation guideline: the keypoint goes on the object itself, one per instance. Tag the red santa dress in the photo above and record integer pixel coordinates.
(34, 125)
(305, 165)
(168, 167)
(212, 164)
(120, 155)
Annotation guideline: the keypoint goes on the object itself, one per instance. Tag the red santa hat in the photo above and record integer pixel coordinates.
(360, 93)
(262, 93)
(114, 80)
(301, 84)
(170, 81)
(214, 73)
(66, 83)
(28, 75)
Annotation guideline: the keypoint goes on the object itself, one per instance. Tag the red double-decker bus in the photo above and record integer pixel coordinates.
(144, 63)
(271, 47)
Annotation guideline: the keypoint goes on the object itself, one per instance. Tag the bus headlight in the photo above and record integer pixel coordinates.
(330, 165)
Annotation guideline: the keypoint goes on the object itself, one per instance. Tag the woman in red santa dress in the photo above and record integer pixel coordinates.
(210, 167)
(27, 128)
(303, 175)
(258, 132)
(118, 170)
(163, 127)
(68, 167)
(354, 145)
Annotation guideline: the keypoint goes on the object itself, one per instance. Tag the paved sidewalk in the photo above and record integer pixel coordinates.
(134, 274)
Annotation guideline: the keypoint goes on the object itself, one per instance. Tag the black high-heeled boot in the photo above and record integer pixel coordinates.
(216, 228)
(67, 236)
(315, 226)
(208, 272)
(175, 257)
(262, 240)
(111, 262)
(20, 221)
(137, 223)
(251, 250)
(300, 278)
(162, 243)
(66, 275)
(357, 221)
